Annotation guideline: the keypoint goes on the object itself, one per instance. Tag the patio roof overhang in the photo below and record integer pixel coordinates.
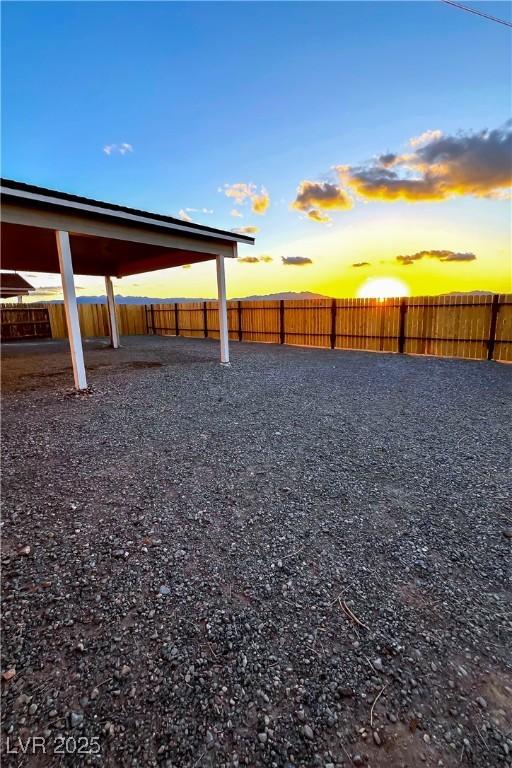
(13, 285)
(105, 239)
(48, 231)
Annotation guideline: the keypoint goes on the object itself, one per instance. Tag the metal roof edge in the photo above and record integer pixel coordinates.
(35, 194)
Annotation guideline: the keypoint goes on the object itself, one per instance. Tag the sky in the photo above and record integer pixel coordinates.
(358, 141)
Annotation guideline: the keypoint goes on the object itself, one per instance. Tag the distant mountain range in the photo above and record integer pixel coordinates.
(305, 295)
(467, 293)
(284, 295)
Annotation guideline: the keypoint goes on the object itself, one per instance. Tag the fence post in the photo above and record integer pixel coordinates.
(281, 322)
(333, 324)
(176, 319)
(401, 328)
(153, 329)
(495, 306)
(205, 320)
(240, 332)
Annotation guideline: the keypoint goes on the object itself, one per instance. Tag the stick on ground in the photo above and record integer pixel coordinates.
(375, 701)
(352, 615)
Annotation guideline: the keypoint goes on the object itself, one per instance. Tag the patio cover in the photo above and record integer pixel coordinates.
(48, 231)
(14, 285)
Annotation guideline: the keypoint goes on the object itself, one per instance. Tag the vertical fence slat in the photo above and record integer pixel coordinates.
(401, 327)
(239, 316)
(205, 320)
(333, 323)
(281, 322)
(495, 306)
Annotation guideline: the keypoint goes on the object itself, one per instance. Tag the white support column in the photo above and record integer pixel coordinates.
(71, 308)
(223, 314)
(112, 319)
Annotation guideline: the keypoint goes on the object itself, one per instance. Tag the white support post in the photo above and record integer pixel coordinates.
(223, 314)
(71, 308)
(112, 319)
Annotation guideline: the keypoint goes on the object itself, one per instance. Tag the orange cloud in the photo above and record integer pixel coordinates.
(242, 192)
(238, 192)
(315, 197)
(249, 230)
(425, 138)
(256, 259)
(260, 202)
(316, 215)
(476, 164)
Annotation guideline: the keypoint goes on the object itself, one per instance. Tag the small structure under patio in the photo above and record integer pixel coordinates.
(48, 231)
(14, 286)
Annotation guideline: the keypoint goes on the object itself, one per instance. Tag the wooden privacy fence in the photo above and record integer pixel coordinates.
(472, 326)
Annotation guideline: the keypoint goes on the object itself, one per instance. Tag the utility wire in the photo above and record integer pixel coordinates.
(478, 13)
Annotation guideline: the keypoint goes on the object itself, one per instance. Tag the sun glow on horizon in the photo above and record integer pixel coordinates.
(382, 288)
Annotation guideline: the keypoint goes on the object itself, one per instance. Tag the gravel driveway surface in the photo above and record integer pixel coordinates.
(301, 560)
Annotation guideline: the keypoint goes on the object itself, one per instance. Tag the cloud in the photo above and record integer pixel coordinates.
(186, 266)
(296, 261)
(315, 197)
(184, 215)
(51, 290)
(236, 213)
(361, 264)
(260, 203)
(440, 167)
(387, 160)
(239, 192)
(264, 259)
(199, 210)
(123, 149)
(242, 192)
(316, 215)
(425, 137)
(442, 256)
(249, 230)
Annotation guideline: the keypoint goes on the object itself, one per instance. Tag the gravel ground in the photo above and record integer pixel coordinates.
(301, 560)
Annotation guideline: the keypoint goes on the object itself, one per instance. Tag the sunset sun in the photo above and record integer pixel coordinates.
(382, 288)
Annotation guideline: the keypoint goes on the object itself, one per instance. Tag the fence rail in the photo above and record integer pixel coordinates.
(471, 326)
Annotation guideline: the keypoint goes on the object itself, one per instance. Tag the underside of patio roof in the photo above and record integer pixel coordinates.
(105, 239)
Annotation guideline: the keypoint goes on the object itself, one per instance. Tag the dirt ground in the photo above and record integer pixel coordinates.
(301, 560)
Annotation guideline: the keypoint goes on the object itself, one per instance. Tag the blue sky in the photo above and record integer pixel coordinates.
(209, 94)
